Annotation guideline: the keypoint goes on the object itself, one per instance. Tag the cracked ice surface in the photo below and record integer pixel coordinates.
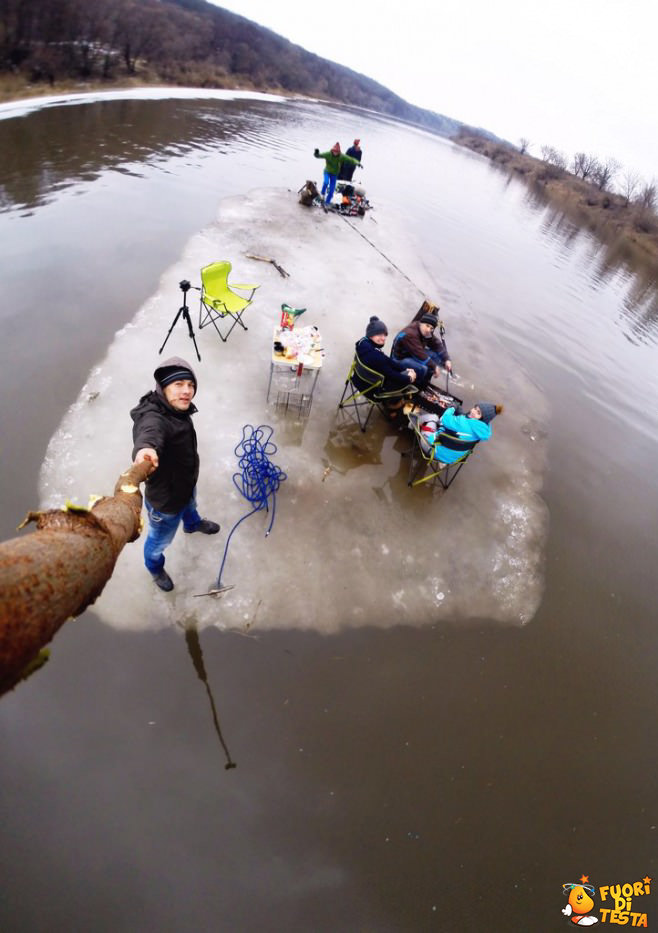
(352, 544)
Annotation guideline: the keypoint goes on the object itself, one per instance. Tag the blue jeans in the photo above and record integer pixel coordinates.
(162, 530)
(424, 370)
(330, 182)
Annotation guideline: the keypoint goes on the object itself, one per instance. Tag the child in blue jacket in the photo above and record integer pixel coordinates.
(456, 434)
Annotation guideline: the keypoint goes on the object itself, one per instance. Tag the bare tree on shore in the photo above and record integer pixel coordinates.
(647, 197)
(629, 190)
(584, 165)
(630, 184)
(554, 157)
(604, 173)
(524, 145)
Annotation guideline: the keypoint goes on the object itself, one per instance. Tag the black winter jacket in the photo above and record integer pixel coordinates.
(171, 433)
(347, 169)
(394, 373)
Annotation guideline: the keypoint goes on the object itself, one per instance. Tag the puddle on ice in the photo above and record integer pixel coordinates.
(352, 544)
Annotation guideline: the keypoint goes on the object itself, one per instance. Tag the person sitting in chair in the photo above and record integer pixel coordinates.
(455, 434)
(370, 351)
(419, 348)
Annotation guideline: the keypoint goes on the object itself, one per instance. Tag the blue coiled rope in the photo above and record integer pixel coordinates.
(258, 479)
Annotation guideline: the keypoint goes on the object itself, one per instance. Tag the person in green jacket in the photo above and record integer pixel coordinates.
(334, 159)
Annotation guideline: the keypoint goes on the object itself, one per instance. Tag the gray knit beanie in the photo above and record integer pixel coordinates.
(488, 411)
(375, 327)
(173, 369)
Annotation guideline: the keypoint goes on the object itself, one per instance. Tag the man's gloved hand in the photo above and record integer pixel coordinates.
(316, 152)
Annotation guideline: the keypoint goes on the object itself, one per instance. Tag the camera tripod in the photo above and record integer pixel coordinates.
(185, 312)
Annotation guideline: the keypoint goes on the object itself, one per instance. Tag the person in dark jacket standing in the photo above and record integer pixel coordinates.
(370, 352)
(417, 346)
(163, 434)
(347, 170)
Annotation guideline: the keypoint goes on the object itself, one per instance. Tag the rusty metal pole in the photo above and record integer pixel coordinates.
(54, 573)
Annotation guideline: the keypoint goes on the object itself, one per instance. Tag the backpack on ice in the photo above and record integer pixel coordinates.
(308, 194)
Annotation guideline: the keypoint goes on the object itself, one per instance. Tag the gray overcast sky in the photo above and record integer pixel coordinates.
(575, 74)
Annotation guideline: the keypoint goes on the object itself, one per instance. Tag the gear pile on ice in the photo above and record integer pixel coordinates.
(350, 199)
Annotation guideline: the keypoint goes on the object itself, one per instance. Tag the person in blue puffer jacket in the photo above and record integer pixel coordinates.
(455, 434)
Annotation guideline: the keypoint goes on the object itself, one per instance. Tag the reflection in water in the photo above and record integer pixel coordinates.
(57, 147)
(194, 647)
(641, 308)
(610, 256)
(289, 428)
(557, 222)
(396, 487)
(348, 447)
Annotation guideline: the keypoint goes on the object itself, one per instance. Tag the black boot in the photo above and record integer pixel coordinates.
(205, 526)
(163, 580)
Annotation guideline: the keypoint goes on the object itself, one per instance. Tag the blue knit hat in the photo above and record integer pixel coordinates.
(375, 327)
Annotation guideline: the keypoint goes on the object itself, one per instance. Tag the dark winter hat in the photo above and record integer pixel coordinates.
(429, 319)
(172, 370)
(375, 327)
(489, 411)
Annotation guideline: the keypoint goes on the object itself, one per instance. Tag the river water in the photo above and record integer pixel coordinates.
(446, 769)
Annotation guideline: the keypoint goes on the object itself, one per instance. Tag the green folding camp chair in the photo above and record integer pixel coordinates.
(363, 390)
(219, 302)
(422, 453)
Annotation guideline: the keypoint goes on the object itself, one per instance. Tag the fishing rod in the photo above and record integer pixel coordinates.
(383, 255)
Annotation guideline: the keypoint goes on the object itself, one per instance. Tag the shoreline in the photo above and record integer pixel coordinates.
(607, 214)
(14, 90)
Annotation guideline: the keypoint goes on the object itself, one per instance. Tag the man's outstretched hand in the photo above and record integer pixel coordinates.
(148, 454)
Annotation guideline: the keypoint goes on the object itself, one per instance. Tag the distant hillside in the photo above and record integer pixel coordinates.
(190, 43)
